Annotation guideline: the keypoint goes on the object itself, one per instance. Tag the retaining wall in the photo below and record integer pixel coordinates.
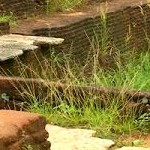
(127, 24)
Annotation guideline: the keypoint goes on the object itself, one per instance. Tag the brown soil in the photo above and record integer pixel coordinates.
(59, 19)
(127, 140)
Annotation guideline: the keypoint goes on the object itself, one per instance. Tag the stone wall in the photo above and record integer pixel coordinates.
(20, 8)
(126, 29)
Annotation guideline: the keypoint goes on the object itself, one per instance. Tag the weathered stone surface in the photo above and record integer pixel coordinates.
(8, 53)
(16, 45)
(18, 129)
(75, 139)
(12, 45)
(133, 148)
(33, 40)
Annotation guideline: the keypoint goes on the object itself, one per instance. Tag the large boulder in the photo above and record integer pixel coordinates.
(20, 130)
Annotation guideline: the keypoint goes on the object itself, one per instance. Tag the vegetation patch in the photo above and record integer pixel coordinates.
(7, 18)
(111, 116)
(63, 5)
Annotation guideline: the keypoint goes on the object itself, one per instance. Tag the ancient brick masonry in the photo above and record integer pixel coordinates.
(22, 129)
(126, 27)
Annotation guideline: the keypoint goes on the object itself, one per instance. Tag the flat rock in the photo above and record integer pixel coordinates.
(75, 139)
(33, 40)
(17, 45)
(133, 148)
(13, 45)
(8, 53)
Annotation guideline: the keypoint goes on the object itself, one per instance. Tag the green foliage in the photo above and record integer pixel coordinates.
(8, 18)
(133, 74)
(62, 5)
(106, 114)
(29, 147)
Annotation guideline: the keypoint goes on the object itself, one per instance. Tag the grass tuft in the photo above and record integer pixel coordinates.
(62, 5)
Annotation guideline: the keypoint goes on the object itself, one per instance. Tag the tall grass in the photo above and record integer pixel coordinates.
(8, 18)
(108, 114)
(133, 74)
(62, 5)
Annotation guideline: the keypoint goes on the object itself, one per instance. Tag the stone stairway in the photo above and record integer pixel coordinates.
(13, 45)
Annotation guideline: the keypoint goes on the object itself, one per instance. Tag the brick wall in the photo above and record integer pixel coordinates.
(123, 24)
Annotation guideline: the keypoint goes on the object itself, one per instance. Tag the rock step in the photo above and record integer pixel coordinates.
(13, 45)
(19, 129)
(80, 139)
(75, 139)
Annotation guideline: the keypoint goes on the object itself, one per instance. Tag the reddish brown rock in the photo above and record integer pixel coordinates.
(19, 129)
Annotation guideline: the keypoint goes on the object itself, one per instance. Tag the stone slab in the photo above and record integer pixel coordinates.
(75, 139)
(33, 40)
(13, 45)
(18, 45)
(8, 53)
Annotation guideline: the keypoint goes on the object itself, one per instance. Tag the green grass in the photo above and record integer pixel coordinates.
(106, 121)
(8, 18)
(107, 114)
(133, 74)
(62, 5)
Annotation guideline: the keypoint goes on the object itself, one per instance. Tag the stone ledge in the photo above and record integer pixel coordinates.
(22, 128)
(13, 45)
(76, 139)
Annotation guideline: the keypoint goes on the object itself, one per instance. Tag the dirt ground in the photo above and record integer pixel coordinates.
(127, 140)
